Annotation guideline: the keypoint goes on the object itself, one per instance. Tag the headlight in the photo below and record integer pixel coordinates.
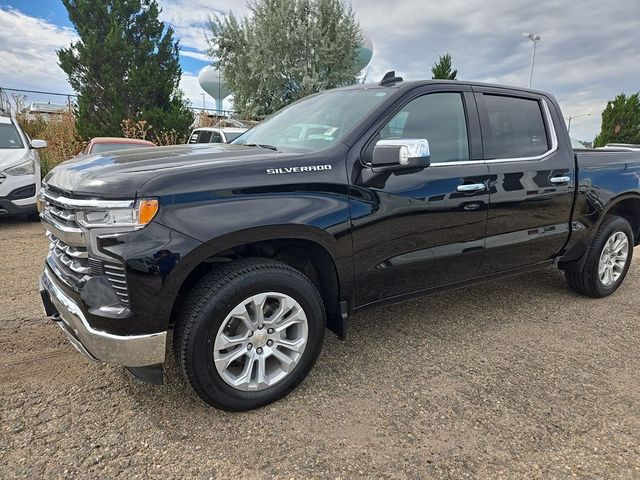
(24, 168)
(135, 217)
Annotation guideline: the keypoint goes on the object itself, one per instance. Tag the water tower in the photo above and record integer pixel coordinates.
(365, 52)
(211, 81)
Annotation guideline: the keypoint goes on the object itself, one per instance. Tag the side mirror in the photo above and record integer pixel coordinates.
(403, 154)
(38, 144)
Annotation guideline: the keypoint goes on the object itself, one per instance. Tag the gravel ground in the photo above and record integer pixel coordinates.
(517, 378)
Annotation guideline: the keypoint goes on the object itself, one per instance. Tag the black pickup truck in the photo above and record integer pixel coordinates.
(242, 254)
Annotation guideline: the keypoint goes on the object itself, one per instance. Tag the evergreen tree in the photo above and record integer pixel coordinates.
(124, 66)
(620, 121)
(285, 50)
(442, 68)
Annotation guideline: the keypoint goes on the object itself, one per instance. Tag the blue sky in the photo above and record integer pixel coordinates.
(590, 49)
(54, 12)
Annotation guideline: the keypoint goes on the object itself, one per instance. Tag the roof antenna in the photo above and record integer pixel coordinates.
(389, 79)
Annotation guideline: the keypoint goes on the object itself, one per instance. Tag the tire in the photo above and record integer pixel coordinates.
(588, 281)
(206, 320)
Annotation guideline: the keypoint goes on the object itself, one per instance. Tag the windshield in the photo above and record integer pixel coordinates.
(316, 122)
(109, 147)
(9, 137)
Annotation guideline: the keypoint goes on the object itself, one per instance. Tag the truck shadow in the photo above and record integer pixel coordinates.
(447, 317)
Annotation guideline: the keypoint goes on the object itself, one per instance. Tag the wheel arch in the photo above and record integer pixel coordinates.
(310, 250)
(625, 205)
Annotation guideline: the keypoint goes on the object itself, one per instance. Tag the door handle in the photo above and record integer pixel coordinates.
(472, 187)
(557, 180)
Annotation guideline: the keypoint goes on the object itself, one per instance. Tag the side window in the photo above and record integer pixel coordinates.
(438, 117)
(516, 128)
(216, 137)
(203, 136)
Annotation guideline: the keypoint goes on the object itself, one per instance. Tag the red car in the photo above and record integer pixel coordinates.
(108, 144)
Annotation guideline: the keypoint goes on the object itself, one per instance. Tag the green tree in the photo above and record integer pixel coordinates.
(442, 68)
(620, 121)
(125, 65)
(285, 50)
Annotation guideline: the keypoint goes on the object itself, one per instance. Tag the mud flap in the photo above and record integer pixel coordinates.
(338, 323)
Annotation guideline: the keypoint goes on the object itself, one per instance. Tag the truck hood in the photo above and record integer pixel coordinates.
(120, 174)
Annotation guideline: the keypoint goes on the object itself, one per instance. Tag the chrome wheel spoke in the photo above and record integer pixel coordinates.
(286, 362)
(294, 318)
(242, 314)
(224, 342)
(226, 359)
(295, 346)
(262, 381)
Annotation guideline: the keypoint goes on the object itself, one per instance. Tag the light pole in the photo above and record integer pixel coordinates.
(535, 39)
(575, 116)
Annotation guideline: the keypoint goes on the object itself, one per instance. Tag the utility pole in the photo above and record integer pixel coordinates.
(535, 38)
(575, 116)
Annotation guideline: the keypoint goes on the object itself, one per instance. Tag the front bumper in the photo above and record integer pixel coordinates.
(127, 350)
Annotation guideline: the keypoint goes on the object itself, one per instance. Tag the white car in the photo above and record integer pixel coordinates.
(19, 169)
(216, 134)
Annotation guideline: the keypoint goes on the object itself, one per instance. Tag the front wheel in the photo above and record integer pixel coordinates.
(607, 262)
(249, 333)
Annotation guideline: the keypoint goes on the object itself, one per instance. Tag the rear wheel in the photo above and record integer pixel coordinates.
(249, 333)
(607, 262)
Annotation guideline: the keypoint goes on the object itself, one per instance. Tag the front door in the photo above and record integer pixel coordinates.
(532, 179)
(418, 230)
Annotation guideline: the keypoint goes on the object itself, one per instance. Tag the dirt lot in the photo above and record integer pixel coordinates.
(514, 379)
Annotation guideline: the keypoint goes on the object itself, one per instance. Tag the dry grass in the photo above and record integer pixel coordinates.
(60, 135)
(140, 129)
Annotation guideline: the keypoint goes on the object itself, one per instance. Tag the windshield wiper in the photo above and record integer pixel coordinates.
(261, 145)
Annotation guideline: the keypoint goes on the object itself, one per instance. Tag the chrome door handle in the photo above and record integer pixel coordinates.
(473, 187)
(557, 180)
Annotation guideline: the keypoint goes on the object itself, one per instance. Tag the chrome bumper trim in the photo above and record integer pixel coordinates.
(127, 350)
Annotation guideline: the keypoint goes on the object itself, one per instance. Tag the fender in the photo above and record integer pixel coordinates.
(215, 246)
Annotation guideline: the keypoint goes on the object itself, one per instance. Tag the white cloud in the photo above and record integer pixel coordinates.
(28, 51)
(197, 55)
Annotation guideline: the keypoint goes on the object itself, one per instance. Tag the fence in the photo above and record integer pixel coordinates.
(49, 106)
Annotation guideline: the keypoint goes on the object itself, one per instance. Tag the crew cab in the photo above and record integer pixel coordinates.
(245, 253)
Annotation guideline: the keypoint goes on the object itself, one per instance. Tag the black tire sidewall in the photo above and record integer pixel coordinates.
(200, 360)
(617, 224)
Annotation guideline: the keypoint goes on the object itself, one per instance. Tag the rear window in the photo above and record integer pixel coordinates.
(205, 136)
(516, 128)
(9, 137)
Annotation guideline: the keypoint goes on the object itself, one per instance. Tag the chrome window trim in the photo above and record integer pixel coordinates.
(88, 203)
(554, 147)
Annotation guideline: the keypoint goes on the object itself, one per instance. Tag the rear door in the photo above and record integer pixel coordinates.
(532, 179)
(418, 230)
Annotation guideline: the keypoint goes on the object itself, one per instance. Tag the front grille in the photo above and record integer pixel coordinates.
(69, 258)
(2, 178)
(75, 259)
